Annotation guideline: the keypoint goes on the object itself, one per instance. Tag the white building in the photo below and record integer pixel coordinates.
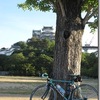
(46, 32)
(8, 52)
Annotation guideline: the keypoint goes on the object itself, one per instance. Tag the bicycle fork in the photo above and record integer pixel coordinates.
(46, 92)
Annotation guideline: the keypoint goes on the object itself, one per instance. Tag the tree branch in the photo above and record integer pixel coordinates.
(89, 15)
(89, 22)
(85, 19)
(93, 13)
(52, 2)
(62, 8)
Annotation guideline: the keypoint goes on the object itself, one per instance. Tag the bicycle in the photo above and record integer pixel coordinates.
(73, 91)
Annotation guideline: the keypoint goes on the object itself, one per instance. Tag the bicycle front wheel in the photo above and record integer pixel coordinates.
(41, 91)
(85, 92)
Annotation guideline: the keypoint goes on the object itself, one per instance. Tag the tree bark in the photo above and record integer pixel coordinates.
(68, 40)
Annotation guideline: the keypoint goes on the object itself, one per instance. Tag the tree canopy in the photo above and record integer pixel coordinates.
(89, 7)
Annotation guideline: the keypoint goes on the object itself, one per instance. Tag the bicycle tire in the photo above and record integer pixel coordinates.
(38, 92)
(84, 92)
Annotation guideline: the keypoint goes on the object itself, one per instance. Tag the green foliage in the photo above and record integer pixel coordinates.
(42, 5)
(28, 69)
(3, 63)
(88, 6)
(89, 3)
(22, 44)
(93, 26)
(37, 58)
(44, 63)
(18, 57)
(34, 57)
(91, 8)
(42, 51)
(89, 65)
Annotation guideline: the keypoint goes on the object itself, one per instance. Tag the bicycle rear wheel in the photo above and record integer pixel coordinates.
(39, 91)
(85, 92)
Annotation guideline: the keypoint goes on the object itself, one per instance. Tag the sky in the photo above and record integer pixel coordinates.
(17, 25)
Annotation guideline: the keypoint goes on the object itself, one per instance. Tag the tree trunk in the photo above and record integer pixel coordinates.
(68, 40)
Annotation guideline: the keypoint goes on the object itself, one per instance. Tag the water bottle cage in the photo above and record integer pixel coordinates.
(60, 89)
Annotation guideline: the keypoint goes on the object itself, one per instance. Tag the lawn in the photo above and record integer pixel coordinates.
(20, 88)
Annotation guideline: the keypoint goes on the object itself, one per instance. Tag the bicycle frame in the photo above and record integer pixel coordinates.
(84, 91)
(51, 83)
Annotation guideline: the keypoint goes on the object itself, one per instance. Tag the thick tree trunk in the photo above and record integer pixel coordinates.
(68, 40)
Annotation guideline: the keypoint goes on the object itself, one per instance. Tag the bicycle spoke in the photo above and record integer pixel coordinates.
(85, 92)
(40, 93)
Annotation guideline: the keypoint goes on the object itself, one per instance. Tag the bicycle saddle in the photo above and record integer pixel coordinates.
(76, 78)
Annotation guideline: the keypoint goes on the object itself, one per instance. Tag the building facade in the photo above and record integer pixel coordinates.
(46, 32)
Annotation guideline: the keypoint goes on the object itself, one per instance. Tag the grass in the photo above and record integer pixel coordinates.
(18, 85)
(92, 82)
(20, 88)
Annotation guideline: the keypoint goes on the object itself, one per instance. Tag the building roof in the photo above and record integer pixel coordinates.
(36, 31)
(46, 27)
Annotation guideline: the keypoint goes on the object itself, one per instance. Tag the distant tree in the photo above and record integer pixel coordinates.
(22, 44)
(49, 47)
(19, 57)
(34, 57)
(28, 69)
(3, 63)
(34, 61)
(89, 65)
(15, 63)
(39, 53)
(44, 64)
(41, 46)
